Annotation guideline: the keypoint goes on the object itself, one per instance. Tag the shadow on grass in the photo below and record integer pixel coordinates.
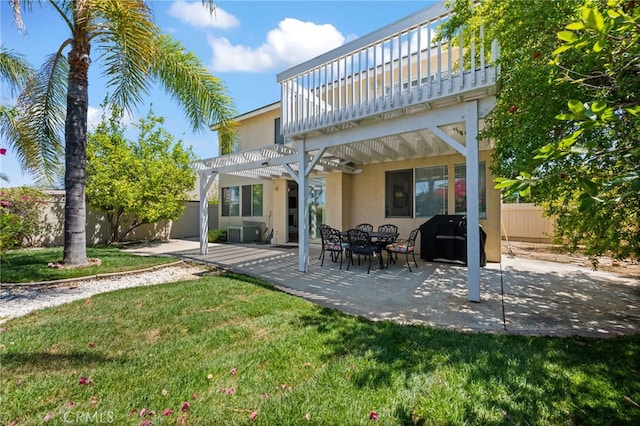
(577, 380)
(50, 362)
(32, 265)
(251, 280)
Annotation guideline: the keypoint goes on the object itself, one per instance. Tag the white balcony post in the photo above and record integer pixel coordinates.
(303, 209)
(473, 217)
(206, 180)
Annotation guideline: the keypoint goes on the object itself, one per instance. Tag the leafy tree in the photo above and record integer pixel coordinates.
(581, 163)
(137, 183)
(600, 205)
(134, 54)
(20, 216)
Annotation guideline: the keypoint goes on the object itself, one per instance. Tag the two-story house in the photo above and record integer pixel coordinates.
(380, 130)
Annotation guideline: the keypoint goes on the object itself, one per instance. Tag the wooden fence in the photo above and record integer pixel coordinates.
(98, 225)
(526, 222)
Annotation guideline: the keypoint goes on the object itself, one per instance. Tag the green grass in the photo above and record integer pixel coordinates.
(296, 364)
(21, 266)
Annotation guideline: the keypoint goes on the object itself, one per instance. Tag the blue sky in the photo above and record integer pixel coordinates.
(246, 44)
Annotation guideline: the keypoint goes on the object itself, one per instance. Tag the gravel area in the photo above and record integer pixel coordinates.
(21, 299)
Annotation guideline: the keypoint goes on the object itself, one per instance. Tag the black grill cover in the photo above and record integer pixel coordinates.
(444, 238)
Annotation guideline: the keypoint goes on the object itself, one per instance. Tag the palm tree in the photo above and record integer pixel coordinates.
(134, 54)
(15, 71)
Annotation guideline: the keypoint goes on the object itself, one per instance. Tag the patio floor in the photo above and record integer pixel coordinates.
(518, 296)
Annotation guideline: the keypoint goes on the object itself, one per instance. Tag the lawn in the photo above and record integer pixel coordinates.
(20, 266)
(230, 350)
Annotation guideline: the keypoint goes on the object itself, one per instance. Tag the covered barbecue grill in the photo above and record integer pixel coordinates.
(443, 238)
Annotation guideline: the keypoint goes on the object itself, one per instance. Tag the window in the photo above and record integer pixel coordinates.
(461, 189)
(278, 138)
(432, 188)
(398, 194)
(236, 145)
(230, 147)
(317, 200)
(252, 200)
(231, 201)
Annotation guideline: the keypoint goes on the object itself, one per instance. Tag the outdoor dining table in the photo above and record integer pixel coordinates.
(378, 239)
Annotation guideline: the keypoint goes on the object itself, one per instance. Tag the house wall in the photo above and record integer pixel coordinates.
(258, 131)
(267, 203)
(255, 132)
(279, 216)
(338, 190)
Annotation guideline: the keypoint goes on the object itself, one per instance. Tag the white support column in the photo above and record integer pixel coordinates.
(473, 217)
(303, 207)
(206, 180)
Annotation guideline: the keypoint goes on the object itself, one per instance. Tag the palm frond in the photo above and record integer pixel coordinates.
(17, 15)
(202, 96)
(210, 5)
(17, 6)
(36, 132)
(14, 69)
(65, 11)
(124, 32)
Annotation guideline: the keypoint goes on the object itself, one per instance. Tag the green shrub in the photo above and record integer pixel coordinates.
(217, 235)
(20, 216)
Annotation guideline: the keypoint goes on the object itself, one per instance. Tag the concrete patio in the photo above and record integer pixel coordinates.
(518, 296)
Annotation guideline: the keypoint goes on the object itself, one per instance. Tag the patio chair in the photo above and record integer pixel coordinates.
(321, 228)
(360, 244)
(332, 242)
(366, 227)
(383, 242)
(405, 247)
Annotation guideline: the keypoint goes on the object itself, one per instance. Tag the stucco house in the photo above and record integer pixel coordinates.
(380, 130)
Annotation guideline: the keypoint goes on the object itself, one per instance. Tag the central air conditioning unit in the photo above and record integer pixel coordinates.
(243, 233)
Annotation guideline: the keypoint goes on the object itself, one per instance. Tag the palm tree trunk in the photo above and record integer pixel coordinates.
(75, 213)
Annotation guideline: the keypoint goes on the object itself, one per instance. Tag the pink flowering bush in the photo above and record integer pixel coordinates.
(20, 216)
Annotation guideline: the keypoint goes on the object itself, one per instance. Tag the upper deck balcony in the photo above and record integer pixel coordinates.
(399, 69)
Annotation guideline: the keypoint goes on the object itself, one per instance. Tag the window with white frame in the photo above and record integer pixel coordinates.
(231, 201)
(278, 138)
(431, 191)
(398, 193)
(252, 200)
(461, 189)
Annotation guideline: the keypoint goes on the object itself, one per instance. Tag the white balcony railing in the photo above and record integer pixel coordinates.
(395, 67)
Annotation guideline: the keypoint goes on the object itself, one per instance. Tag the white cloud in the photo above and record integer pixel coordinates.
(292, 42)
(197, 15)
(94, 117)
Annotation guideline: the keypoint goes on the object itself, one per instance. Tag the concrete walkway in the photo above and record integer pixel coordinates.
(518, 296)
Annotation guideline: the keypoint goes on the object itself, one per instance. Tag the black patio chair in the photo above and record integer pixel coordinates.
(333, 243)
(321, 228)
(360, 244)
(383, 242)
(405, 247)
(366, 227)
